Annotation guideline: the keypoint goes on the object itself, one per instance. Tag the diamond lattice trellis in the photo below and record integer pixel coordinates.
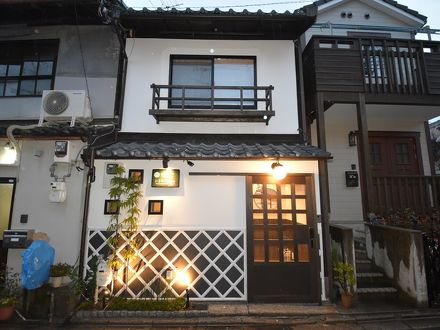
(213, 259)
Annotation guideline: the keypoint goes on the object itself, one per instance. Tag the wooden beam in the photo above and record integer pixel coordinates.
(364, 152)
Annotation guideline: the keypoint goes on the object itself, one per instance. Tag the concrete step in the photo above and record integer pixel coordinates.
(369, 275)
(389, 289)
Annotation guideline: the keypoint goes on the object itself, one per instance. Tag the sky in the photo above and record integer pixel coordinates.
(429, 8)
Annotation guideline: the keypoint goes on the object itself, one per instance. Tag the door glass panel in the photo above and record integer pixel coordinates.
(272, 203)
(300, 189)
(287, 218)
(288, 255)
(273, 232)
(375, 154)
(272, 218)
(271, 189)
(258, 204)
(286, 204)
(258, 218)
(274, 251)
(301, 218)
(288, 232)
(300, 204)
(257, 189)
(303, 253)
(286, 189)
(259, 251)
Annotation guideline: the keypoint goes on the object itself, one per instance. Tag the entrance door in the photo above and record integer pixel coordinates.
(282, 240)
(7, 187)
(394, 153)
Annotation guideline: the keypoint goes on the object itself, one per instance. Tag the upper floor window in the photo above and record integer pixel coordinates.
(27, 67)
(204, 72)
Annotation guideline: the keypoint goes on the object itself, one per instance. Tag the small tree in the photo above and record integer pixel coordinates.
(343, 273)
(125, 192)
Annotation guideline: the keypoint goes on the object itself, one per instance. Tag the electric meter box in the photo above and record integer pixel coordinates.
(57, 192)
(109, 173)
(17, 239)
(65, 151)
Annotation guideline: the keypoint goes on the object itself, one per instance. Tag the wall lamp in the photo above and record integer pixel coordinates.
(352, 139)
(279, 172)
(190, 163)
(9, 154)
(165, 163)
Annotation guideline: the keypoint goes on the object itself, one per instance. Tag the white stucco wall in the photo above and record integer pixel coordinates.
(61, 221)
(149, 62)
(201, 202)
(340, 119)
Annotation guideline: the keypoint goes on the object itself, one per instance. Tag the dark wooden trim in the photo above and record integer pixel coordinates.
(430, 148)
(12, 181)
(249, 241)
(245, 174)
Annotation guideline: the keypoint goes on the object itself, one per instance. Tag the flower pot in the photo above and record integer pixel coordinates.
(55, 282)
(65, 280)
(6, 312)
(346, 299)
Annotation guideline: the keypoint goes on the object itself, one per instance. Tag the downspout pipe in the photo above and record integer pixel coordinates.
(302, 124)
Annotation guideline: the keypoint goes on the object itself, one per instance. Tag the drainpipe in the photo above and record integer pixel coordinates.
(300, 91)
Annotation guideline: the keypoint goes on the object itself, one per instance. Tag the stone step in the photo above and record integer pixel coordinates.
(376, 290)
(369, 274)
(360, 251)
(363, 261)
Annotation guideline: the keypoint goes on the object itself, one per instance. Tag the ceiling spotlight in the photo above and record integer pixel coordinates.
(190, 163)
(165, 163)
(279, 172)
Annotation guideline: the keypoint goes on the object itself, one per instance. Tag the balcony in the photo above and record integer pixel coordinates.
(212, 103)
(416, 192)
(383, 69)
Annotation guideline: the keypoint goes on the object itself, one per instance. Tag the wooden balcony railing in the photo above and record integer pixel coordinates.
(379, 65)
(419, 193)
(212, 103)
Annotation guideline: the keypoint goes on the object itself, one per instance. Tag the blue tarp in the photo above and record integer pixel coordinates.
(37, 260)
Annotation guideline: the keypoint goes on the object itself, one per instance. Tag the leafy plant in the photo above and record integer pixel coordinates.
(10, 289)
(343, 274)
(60, 269)
(125, 191)
(118, 303)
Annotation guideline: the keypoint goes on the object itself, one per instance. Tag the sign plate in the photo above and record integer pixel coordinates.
(165, 178)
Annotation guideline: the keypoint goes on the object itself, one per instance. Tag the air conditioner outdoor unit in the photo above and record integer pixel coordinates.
(65, 106)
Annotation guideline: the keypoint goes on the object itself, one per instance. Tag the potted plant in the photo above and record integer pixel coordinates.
(343, 273)
(9, 293)
(59, 274)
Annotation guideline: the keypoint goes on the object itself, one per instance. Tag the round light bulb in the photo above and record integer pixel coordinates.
(279, 172)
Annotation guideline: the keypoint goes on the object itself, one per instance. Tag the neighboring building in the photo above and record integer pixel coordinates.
(434, 128)
(213, 96)
(50, 45)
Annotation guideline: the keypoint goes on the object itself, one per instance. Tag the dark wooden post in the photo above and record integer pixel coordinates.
(324, 195)
(364, 153)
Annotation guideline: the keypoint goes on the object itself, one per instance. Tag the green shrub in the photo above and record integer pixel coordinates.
(118, 303)
(60, 269)
(343, 273)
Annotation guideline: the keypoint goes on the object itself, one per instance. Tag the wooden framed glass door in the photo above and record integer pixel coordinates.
(282, 241)
(7, 190)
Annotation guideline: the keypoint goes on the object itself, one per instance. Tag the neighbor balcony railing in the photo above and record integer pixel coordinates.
(212, 103)
(416, 192)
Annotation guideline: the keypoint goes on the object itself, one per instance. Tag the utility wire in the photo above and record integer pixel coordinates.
(239, 6)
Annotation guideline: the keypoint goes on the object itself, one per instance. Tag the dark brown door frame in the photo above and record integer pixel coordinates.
(12, 181)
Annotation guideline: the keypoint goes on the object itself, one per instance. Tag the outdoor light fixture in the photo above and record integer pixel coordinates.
(279, 172)
(165, 163)
(190, 163)
(9, 154)
(352, 139)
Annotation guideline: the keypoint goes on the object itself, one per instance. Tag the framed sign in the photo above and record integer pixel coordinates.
(165, 178)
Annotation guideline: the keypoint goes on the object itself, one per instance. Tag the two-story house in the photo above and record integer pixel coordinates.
(371, 88)
(212, 110)
(62, 46)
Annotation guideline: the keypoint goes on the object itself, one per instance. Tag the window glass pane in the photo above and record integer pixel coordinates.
(30, 68)
(2, 87)
(3, 70)
(43, 84)
(301, 219)
(303, 253)
(258, 218)
(300, 204)
(402, 153)
(272, 203)
(286, 189)
(233, 72)
(286, 204)
(258, 204)
(191, 72)
(272, 218)
(271, 189)
(375, 153)
(27, 87)
(274, 251)
(288, 255)
(45, 68)
(259, 251)
(14, 70)
(11, 88)
(300, 189)
(257, 189)
(287, 218)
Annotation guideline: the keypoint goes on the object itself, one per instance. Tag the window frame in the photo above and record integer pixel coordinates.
(212, 58)
(18, 57)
